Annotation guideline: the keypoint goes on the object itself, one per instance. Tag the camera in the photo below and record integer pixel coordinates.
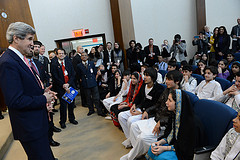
(177, 40)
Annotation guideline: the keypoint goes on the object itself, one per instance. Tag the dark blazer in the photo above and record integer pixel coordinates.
(106, 57)
(58, 77)
(225, 45)
(88, 76)
(24, 98)
(234, 31)
(45, 63)
(144, 103)
(150, 61)
(202, 45)
(111, 87)
(76, 60)
(44, 76)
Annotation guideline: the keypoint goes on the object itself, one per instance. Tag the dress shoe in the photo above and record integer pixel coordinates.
(74, 122)
(54, 143)
(90, 113)
(63, 125)
(101, 114)
(1, 117)
(55, 159)
(54, 110)
(55, 129)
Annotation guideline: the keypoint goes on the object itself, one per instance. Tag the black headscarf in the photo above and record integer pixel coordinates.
(180, 133)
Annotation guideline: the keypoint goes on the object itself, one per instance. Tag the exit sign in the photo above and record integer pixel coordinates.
(78, 33)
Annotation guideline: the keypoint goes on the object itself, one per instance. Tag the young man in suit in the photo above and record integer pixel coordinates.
(235, 34)
(151, 52)
(63, 76)
(24, 94)
(87, 73)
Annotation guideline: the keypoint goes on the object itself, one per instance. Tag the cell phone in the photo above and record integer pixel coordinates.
(196, 37)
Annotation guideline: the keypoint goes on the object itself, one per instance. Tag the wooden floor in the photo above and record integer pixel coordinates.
(94, 138)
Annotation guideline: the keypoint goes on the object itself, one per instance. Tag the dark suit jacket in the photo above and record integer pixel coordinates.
(150, 61)
(58, 77)
(106, 57)
(88, 76)
(234, 31)
(44, 76)
(76, 60)
(45, 63)
(225, 45)
(144, 103)
(24, 98)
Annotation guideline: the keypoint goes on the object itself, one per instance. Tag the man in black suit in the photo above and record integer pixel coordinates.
(76, 60)
(43, 59)
(235, 34)
(87, 73)
(63, 76)
(152, 52)
(24, 94)
(107, 56)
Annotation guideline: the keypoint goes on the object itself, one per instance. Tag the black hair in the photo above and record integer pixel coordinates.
(114, 65)
(173, 92)
(138, 45)
(237, 74)
(224, 61)
(212, 69)
(183, 63)
(214, 31)
(224, 28)
(150, 39)
(236, 63)
(177, 36)
(202, 61)
(136, 74)
(37, 43)
(155, 66)
(131, 42)
(172, 63)
(175, 75)
(126, 72)
(109, 43)
(187, 67)
(61, 49)
(118, 72)
(152, 73)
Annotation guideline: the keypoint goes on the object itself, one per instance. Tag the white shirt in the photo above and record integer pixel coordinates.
(229, 102)
(147, 90)
(18, 53)
(208, 91)
(220, 152)
(189, 86)
(123, 92)
(159, 78)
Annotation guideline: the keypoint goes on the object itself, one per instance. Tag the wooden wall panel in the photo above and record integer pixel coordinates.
(17, 10)
(201, 14)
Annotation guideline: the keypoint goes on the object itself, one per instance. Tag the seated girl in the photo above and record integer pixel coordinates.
(178, 139)
(234, 70)
(200, 70)
(228, 149)
(222, 69)
(136, 83)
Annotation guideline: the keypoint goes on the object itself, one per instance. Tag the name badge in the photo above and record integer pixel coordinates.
(91, 70)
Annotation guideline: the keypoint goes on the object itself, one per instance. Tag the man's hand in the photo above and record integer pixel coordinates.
(65, 86)
(144, 115)
(108, 95)
(156, 130)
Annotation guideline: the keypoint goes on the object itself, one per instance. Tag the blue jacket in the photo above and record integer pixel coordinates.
(24, 98)
(88, 76)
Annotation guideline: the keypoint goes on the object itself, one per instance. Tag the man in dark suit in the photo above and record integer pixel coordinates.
(107, 56)
(43, 59)
(152, 52)
(235, 34)
(87, 73)
(24, 94)
(76, 61)
(63, 76)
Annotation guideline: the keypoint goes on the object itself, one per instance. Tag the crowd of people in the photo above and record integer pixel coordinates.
(133, 97)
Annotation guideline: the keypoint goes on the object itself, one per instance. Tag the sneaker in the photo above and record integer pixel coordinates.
(108, 118)
(127, 143)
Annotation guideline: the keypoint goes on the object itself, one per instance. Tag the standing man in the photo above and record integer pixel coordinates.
(43, 59)
(151, 52)
(87, 73)
(24, 95)
(76, 60)
(63, 76)
(107, 56)
(235, 34)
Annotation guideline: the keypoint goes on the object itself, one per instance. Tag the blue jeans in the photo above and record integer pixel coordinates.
(167, 155)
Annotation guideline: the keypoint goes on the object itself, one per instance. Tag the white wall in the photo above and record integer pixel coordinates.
(55, 19)
(222, 12)
(161, 19)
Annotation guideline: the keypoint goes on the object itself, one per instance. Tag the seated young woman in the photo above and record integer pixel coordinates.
(136, 83)
(229, 147)
(179, 137)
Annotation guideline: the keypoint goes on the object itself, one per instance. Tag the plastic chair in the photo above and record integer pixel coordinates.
(193, 98)
(225, 84)
(194, 67)
(237, 56)
(198, 77)
(217, 120)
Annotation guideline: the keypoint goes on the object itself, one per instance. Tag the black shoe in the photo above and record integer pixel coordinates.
(1, 117)
(102, 114)
(84, 105)
(54, 110)
(55, 129)
(74, 122)
(90, 113)
(63, 125)
(55, 159)
(54, 143)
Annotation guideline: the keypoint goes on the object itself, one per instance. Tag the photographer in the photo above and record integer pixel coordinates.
(202, 43)
(178, 48)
